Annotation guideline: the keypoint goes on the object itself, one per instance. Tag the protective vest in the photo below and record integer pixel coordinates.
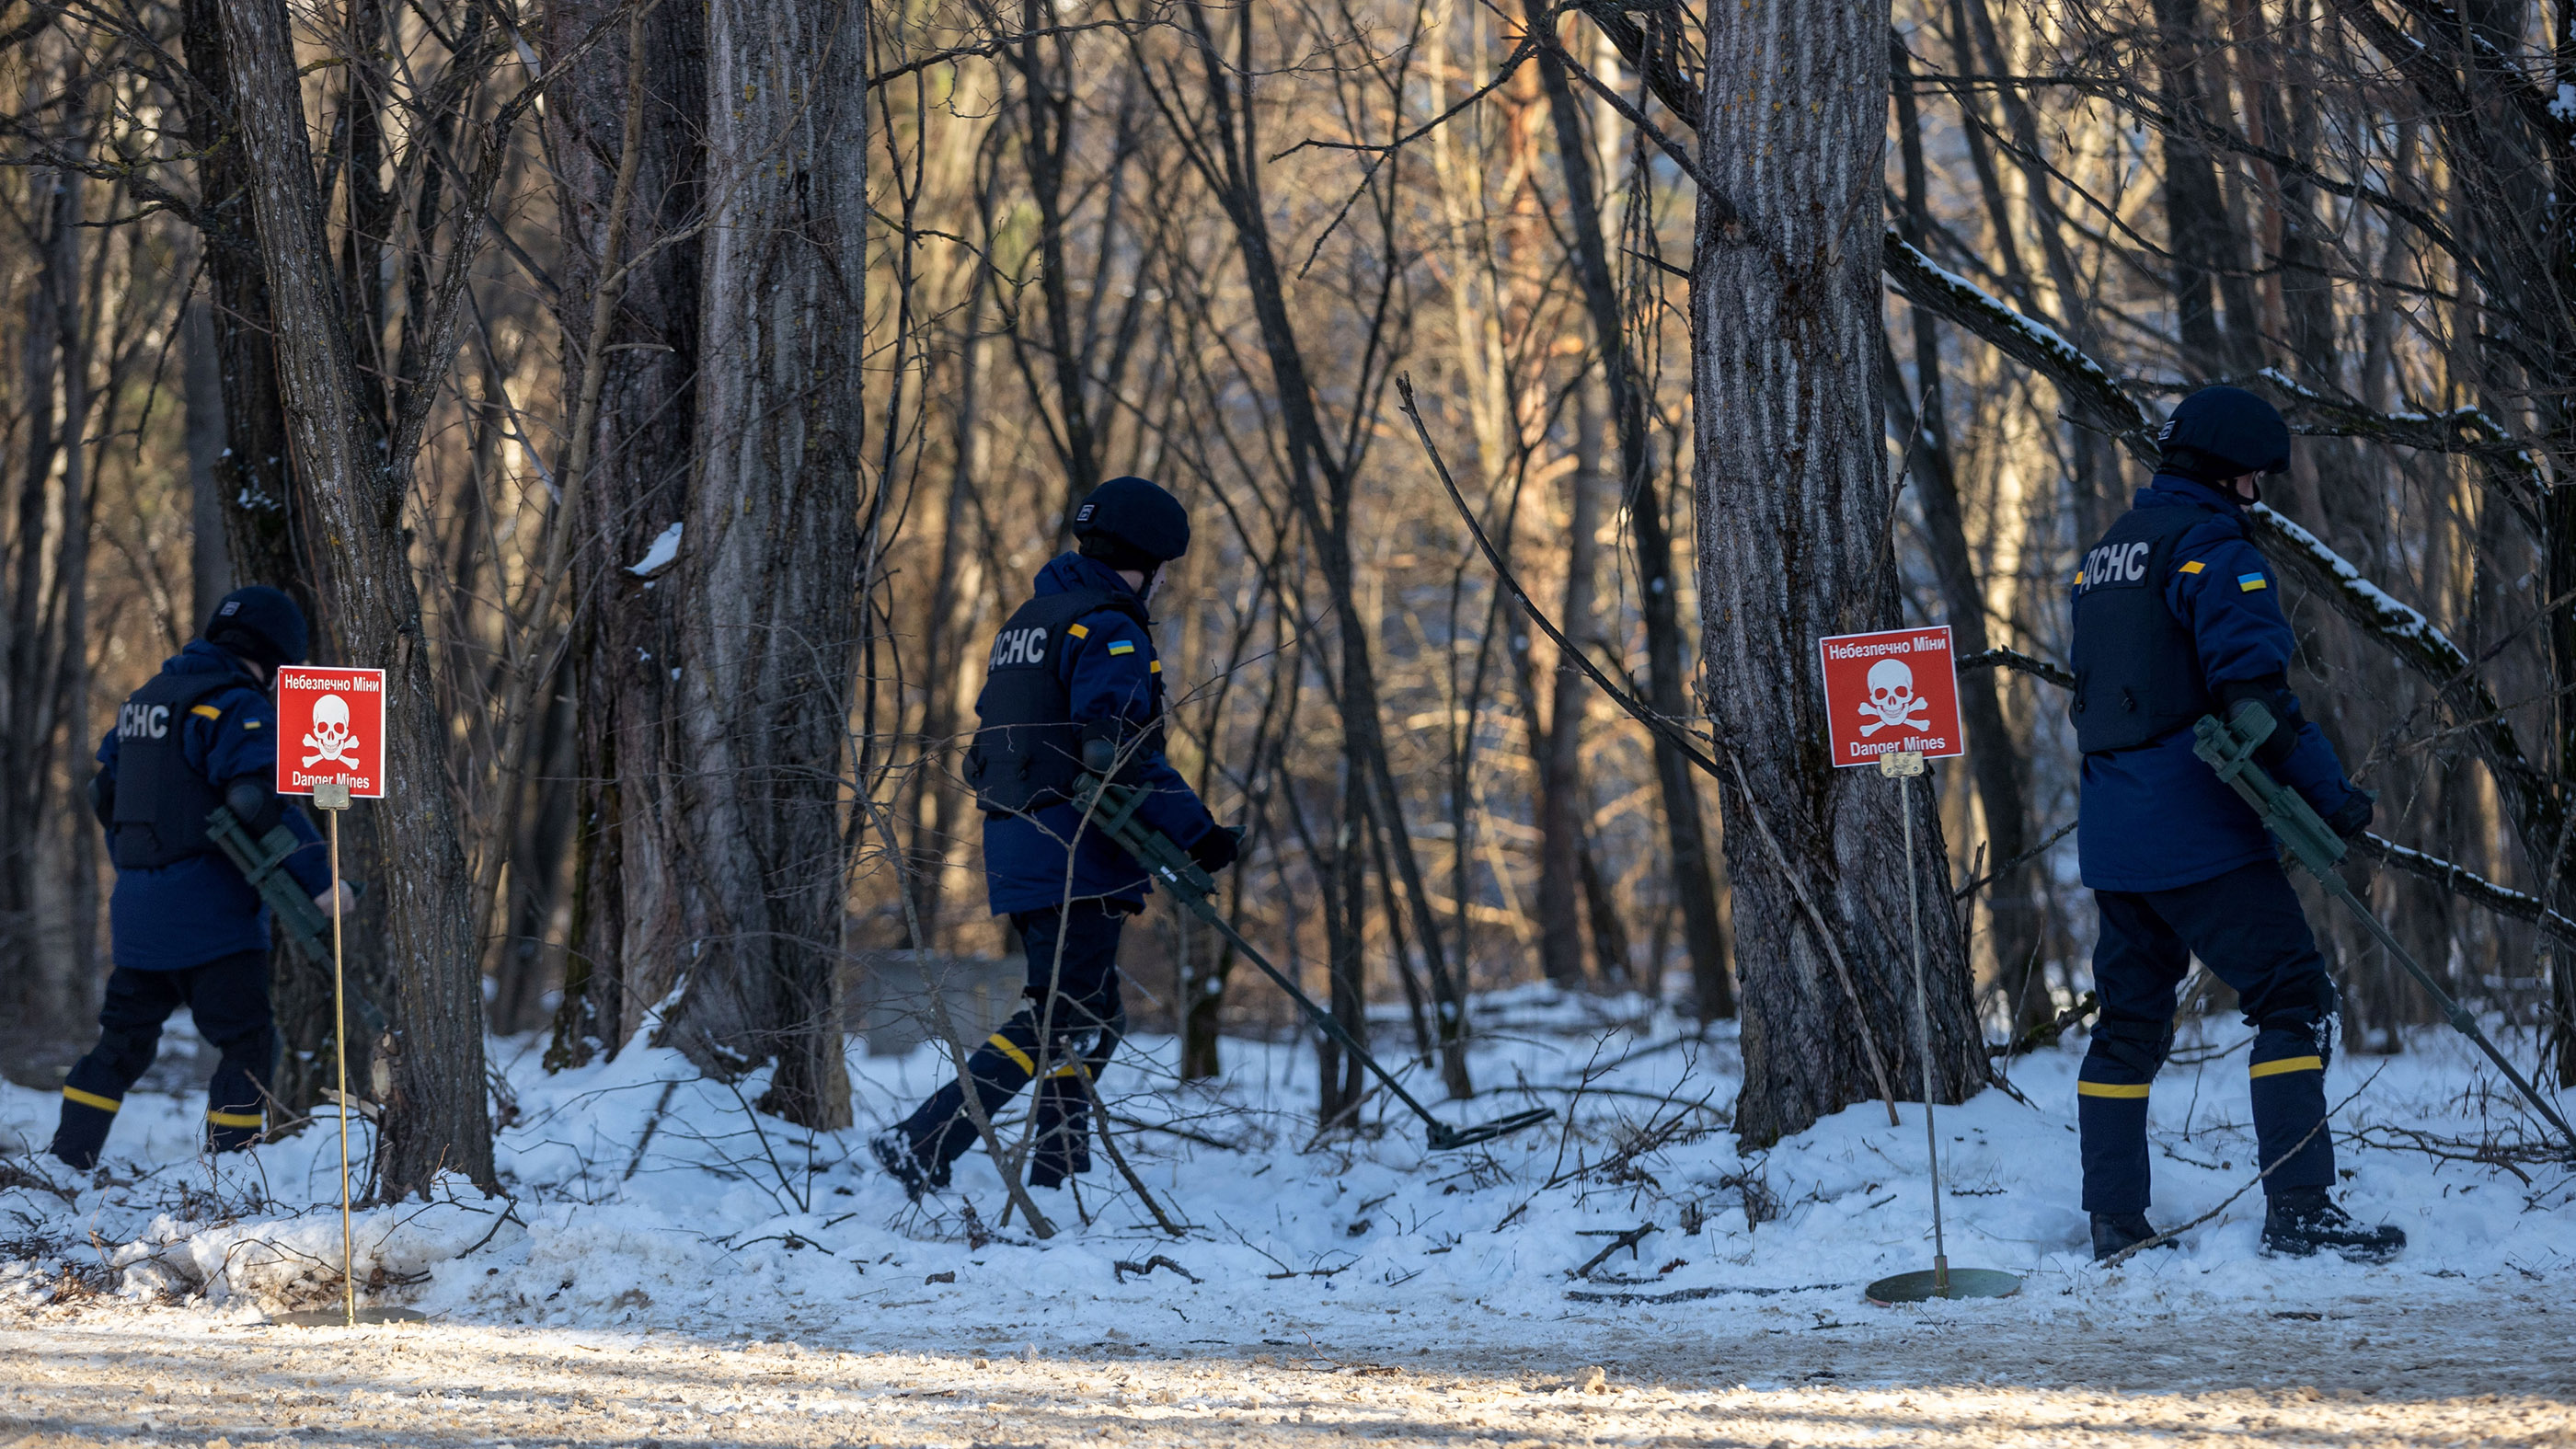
(1028, 752)
(2137, 667)
(161, 800)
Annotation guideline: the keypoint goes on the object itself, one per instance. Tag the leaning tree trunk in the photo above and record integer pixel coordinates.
(770, 566)
(1793, 505)
(628, 933)
(352, 487)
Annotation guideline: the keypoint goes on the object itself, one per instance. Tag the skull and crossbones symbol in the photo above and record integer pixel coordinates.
(1892, 702)
(330, 734)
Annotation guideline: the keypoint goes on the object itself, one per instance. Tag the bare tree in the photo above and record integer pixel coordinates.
(769, 619)
(1794, 512)
(354, 476)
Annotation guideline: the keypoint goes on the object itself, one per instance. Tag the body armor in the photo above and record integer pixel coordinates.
(2137, 667)
(1028, 749)
(161, 800)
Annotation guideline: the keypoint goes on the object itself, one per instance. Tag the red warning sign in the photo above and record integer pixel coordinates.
(330, 729)
(1897, 689)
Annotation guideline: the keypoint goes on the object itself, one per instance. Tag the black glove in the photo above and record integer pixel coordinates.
(2272, 691)
(2353, 816)
(1218, 848)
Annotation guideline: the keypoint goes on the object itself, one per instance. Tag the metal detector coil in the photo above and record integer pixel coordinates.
(1111, 809)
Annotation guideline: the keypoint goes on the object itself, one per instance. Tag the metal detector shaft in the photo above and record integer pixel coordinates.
(1112, 810)
(2228, 748)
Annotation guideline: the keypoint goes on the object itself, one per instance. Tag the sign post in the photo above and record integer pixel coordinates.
(1892, 699)
(331, 746)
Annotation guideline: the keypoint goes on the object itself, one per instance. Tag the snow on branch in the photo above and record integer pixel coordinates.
(2471, 432)
(2421, 647)
(2468, 885)
(2086, 384)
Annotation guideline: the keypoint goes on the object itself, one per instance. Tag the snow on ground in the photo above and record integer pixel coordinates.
(650, 1213)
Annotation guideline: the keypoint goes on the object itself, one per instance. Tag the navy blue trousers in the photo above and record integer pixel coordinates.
(228, 997)
(2247, 927)
(1071, 1025)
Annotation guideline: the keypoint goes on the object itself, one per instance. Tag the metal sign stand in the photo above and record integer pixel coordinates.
(331, 798)
(1916, 1287)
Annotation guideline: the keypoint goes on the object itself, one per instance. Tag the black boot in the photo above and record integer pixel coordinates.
(2303, 1221)
(893, 1151)
(2115, 1231)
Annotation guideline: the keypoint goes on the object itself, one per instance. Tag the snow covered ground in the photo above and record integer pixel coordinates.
(655, 1216)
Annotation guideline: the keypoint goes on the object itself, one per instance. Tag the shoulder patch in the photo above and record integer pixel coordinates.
(1122, 647)
(250, 724)
(2248, 583)
(208, 711)
(1154, 668)
(1079, 631)
(2193, 567)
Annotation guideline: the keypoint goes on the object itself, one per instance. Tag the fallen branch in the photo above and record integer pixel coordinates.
(1146, 1269)
(1692, 1295)
(1628, 1238)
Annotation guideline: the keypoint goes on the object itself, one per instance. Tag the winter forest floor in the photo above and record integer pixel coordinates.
(725, 1279)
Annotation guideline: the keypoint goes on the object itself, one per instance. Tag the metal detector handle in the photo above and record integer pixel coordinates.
(2229, 749)
(262, 863)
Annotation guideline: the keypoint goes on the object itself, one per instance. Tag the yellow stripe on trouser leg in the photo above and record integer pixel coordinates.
(1011, 1049)
(2123, 1090)
(2287, 1064)
(91, 1099)
(235, 1119)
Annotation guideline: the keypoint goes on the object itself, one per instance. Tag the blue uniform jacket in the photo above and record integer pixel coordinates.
(200, 909)
(2157, 817)
(1108, 670)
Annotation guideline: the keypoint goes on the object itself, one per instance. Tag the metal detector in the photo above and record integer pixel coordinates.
(1943, 1281)
(1111, 809)
(2228, 748)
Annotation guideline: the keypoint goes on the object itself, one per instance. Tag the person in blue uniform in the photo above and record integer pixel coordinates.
(187, 930)
(2177, 616)
(1074, 664)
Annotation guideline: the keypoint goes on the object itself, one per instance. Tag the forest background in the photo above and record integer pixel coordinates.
(675, 394)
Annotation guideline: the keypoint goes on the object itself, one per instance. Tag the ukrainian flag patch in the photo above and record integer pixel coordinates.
(2250, 582)
(1122, 647)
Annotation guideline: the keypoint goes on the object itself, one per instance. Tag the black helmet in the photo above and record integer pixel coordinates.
(1130, 523)
(259, 624)
(2219, 433)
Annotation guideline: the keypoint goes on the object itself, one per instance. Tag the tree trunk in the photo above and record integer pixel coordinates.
(354, 487)
(1793, 504)
(1562, 808)
(628, 938)
(2208, 259)
(1685, 832)
(769, 613)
